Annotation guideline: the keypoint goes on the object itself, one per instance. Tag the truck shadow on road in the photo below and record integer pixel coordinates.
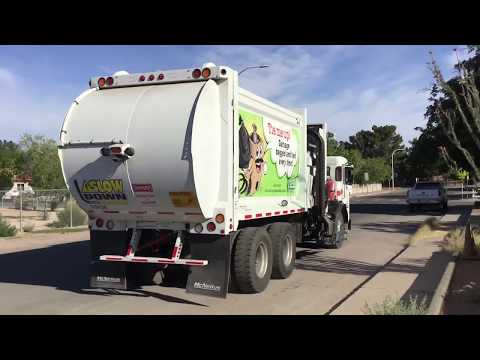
(64, 267)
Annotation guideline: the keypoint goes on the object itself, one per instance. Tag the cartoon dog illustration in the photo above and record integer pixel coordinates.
(256, 166)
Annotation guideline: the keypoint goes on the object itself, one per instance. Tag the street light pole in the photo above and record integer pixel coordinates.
(393, 174)
(253, 67)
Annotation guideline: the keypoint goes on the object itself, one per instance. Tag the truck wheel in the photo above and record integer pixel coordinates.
(339, 231)
(284, 249)
(252, 260)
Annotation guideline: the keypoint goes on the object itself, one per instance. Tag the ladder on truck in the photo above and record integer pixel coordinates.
(173, 260)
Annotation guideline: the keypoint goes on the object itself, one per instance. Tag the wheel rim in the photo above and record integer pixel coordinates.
(287, 251)
(261, 260)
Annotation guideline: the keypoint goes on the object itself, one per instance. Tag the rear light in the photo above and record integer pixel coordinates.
(105, 151)
(109, 81)
(116, 150)
(206, 72)
(151, 77)
(99, 222)
(141, 78)
(198, 228)
(161, 77)
(211, 226)
(219, 219)
(110, 224)
(101, 82)
(196, 73)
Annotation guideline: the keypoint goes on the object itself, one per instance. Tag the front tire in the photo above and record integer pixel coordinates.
(339, 233)
(284, 249)
(252, 260)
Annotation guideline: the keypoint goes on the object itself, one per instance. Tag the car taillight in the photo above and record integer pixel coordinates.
(219, 219)
(141, 78)
(151, 77)
(196, 73)
(101, 82)
(109, 81)
(161, 77)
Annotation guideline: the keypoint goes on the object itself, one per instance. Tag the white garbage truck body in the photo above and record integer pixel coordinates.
(189, 156)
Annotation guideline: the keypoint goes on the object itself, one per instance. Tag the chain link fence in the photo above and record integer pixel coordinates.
(41, 210)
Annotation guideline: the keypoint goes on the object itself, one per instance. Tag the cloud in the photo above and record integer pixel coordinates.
(292, 72)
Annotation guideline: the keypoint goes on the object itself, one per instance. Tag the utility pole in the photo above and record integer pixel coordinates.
(393, 173)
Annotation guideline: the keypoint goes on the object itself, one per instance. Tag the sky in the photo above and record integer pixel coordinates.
(350, 88)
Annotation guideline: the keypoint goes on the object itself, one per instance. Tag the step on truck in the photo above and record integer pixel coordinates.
(185, 169)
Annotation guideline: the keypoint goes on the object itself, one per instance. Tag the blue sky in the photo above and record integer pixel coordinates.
(349, 87)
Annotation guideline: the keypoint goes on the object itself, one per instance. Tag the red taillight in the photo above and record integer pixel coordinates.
(99, 222)
(161, 77)
(141, 78)
(206, 72)
(109, 81)
(211, 226)
(196, 73)
(151, 77)
(101, 82)
(116, 150)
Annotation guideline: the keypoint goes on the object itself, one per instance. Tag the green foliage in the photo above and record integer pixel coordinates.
(11, 159)
(53, 205)
(461, 175)
(6, 229)
(42, 161)
(391, 306)
(380, 142)
(79, 217)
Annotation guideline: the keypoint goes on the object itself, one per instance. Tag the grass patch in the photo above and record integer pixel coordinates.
(60, 230)
(392, 306)
(454, 241)
(429, 229)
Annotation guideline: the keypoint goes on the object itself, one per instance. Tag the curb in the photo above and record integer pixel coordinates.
(374, 193)
(438, 299)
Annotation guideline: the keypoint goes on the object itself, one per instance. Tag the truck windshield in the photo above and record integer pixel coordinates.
(427, 186)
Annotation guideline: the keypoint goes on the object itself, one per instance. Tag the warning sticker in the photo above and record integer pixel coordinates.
(184, 199)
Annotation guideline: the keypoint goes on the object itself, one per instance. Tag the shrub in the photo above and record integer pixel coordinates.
(79, 217)
(6, 229)
(53, 205)
(28, 227)
(391, 306)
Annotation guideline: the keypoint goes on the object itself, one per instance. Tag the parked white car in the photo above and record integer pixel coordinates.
(427, 193)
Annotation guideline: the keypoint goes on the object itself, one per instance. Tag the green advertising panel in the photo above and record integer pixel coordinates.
(269, 156)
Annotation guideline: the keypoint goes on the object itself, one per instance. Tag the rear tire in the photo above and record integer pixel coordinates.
(252, 260)
(284, 249)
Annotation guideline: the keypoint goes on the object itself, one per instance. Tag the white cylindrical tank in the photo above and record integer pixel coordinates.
(175, 132)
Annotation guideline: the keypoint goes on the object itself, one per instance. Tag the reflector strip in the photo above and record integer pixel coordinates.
(285, 212)
(154, 260)
(111, 211)
(165, 213)
(137, 212)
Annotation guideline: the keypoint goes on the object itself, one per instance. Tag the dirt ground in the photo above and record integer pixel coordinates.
(35, 217)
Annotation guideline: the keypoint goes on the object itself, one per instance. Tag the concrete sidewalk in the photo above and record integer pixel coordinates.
(416, 271)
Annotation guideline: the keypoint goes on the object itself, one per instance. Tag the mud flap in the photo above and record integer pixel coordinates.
(213, 279)
(106, 274)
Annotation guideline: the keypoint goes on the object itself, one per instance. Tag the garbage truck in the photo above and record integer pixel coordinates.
(185, 169)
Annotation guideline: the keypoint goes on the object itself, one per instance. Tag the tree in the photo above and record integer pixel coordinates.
(11, 159)
(455, 109)
(381, 141)
(42, 162)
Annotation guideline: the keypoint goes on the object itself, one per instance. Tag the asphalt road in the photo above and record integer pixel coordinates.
(48, 274)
